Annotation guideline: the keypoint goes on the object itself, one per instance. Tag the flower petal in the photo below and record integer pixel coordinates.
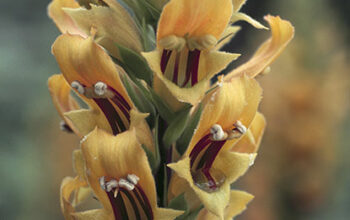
(282, 33)
(68, 186)
(95, 214)
(238, 203)
(113, 25)
(230, 102)
(237, 4)
(244, 17)
(85, 120)
(64, 23)
(250, 142)
(231, 164)
(116, 157)
(60, 92)
(211, 62)
(227, 36)
(194, 18)
(86, 62)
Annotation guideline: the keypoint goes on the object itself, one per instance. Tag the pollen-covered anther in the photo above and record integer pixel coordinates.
(218, 134)
(110, 185)
(238, 131)
(79, 87)
(172, 42)
(126, 184)
(201, 43)
(102, 182)
(132, 178)
(100, 88)
(65, 127)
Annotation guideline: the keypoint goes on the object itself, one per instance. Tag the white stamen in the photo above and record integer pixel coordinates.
(218, 133)
(76, 85)
(102, 182)
(64, 127)
(111, 185)
(126, 184)
(83, 139)
(240, 127)
(252, 159)
(100, 88)
(133, 178)
(116, 193)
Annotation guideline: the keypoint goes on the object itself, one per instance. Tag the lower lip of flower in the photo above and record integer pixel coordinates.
(192, 66)
(204, 176)
(136, 197)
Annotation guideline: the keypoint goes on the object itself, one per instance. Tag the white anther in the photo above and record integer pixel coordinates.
(100, 88)
(218, 133)
(64, 127)
(252, 159)
(133, 178)
(102, 181)
(126, 184)
(111, 185)
(83, 139)
(240, 127)
(76, 85)
(266, 71)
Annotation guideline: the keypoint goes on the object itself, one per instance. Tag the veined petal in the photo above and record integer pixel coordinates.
(231, 164)
(113, 25)
(250, 141)
(282, 33)
(230, 102)
(211, 62)
(194, 18)
(238, 203)
(64, 23)
(244, 17)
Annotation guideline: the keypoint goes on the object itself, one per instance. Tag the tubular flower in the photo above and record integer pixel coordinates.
(184, 61)
(208, 165)
(158, 139)
(94, 76)
(122, 183)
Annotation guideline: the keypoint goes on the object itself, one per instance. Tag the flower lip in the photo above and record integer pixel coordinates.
(126, 189)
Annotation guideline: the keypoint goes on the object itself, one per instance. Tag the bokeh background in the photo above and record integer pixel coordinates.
(302, 171)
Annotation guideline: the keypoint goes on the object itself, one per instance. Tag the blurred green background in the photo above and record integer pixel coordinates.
(302, 171)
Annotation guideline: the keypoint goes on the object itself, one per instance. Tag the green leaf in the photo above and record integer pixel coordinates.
(135, 63)
(156, 139)
(148, 36)
(178, 203)
(164, 110)
(190, 215)
(176, 127)
(183, 142)
(142, 103)
(153, 161)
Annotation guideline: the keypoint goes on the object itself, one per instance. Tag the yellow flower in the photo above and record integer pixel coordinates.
(112, 22)
(209, 165)
(95, 77)
(118, 172)
(184, 60)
